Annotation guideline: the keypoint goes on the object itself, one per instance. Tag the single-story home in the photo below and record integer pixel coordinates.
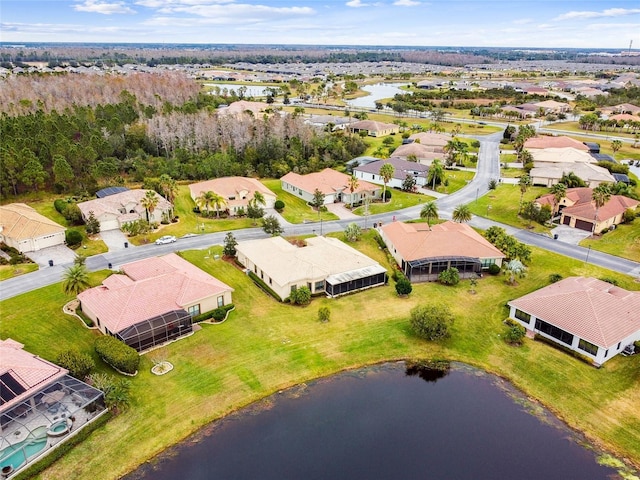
(113, 211)
(40, 404)
(622, 108)
(244, 107)
(237, 191)
(153, 301)
(437, 141)
(425, 154)
(24, 229)
(402, 169)
(550, 174)
(586, 315)
(333, 184)
(583, 215)
(373, 128)
(423, 253)
(548, 141)
(324, 265)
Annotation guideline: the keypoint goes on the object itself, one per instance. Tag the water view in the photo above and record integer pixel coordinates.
(381, 423)
(249, 90)
(376, 92)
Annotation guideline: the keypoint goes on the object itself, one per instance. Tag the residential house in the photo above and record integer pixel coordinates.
(40, 406)
(153, 301)
(548, 141)
(236, 191)
(423, 253)
(115, 210)
(24, 229)
(586, 315)
(324, 265)
(332, 184)
(243, 107)
(584, 215)
(402, 169)
(622, 108)
(551, 174)
(437, 141)
(373, 128)
(425, 154)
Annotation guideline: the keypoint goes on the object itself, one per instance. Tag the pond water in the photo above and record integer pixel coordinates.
(376, 92)
(380, 423)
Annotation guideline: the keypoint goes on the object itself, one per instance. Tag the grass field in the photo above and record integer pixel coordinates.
(624, 241)
(296, 209)
(399, 199)
(10, 271)
(266, 346)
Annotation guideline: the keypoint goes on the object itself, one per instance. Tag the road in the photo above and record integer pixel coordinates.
(488, 168)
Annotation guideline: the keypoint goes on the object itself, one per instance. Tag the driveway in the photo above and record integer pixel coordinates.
(59, 255)
(570, 235)
(342, 212)
(114, 239)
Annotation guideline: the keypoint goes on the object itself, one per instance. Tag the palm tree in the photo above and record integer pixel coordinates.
(559, 191)
(169, 188)
(615, 146)
(386, 172)
(429, 211)
(461, 214)
(600, 195)
(76, 279)
(149, 202)
(353, 184)
(258, 199)
(524, 183)
(435, 174)
(218, 201)
(205, 200)
(515, 268)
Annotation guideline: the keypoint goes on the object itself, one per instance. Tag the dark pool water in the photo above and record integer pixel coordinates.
(380, 423)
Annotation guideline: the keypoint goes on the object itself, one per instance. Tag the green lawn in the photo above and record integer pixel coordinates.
(399, 200)
(502, 206)
(296, 210)
(266, 346)
(10, 271)
(624, 241)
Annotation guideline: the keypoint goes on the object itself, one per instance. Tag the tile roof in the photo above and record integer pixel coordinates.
(572, 196)
(149, 288)
(19, 221)
(373, 126)
(431, 139)
(414, 241)
(423, 152)
(561, 155)
(328, 181)
(401, 168)
(586, 171)
(27, 369)
(242, 188)
(616, 205)
(596, 311)
(547, 141)
(241, 106)
(113, 204)
(322, 256)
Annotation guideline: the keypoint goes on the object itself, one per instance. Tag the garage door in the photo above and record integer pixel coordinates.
(109, 224)
(582, 225)
(566, 220)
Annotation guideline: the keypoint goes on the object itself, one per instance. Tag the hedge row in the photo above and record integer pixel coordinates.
(258, 281)
(218, 314)
(117, 354)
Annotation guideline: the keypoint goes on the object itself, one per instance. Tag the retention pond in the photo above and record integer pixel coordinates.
(383, 423)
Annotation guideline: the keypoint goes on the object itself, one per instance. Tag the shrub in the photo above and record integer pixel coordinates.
(93, 225)
(628, 216)
(78, 364)
(431, 322)
(610, 280)
(636, 344)
(60, 205)
(279, 205)
(218, 314)
(301, 296)
(450, 276)
(72, 214)
(515, 334)
(493, 269)
(324, 314)
(555, 277)
(403, 285)
(73, 238)
(493, 184)
(387, 195)
(117, 354)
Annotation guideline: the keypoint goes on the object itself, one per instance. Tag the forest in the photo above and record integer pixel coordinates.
(79, 133)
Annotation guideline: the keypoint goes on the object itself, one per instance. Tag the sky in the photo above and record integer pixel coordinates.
(480, 23)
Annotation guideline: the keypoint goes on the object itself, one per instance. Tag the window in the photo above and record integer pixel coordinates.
(520, 315)
(194, 310)
(553, 331)
(220, 301)
(588, 347)
(319, 286)
(486, 262)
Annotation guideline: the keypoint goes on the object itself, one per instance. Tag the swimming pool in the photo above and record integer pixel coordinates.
(18, 454)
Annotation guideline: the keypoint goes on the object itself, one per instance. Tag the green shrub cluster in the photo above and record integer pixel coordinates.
(15, 256)
(555, 277)
(73, 238)
(450, 276)
(403, 285)
(217, 314)
(301, 296)
(494, 269)
(515, 334)
(79, 364)
(117, 354)
(279, 205)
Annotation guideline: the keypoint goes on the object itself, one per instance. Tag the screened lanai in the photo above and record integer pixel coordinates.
(354, 280)
(31, 426)
(157, 330)
(428, 269)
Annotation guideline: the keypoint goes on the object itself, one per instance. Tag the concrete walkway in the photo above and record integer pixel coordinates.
(341, 211)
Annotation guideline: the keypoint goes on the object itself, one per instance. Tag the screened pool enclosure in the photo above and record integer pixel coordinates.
(157, 330)
(347, 282)
(428, 269)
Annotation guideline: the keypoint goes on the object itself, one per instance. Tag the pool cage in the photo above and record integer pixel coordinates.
(347, 282)
(44, 419)
(157, 330)
(428, 269)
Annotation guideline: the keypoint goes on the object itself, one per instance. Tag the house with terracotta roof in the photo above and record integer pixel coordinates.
(548, 141)
(237, 192)
(402, 169)
(24, 229)
(436, 141)
(373, 128)
(40, 405)
(324, 265)
(425, 154)
(589, 316)
(153, 301)
(422, 253)
(243, 107)
(115, 210)
(333, 184)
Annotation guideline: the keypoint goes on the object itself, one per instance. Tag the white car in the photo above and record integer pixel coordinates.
(165, 239)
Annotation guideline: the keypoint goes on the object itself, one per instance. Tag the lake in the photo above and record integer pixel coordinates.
(376, 92)
(380, 423)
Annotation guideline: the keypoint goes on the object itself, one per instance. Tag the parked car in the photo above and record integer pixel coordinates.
(165, 239)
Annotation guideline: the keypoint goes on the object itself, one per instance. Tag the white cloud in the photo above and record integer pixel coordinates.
(610, 12)
(356, 4)
(105, 8)
(406, 3)
(174, 3)
(237, 12)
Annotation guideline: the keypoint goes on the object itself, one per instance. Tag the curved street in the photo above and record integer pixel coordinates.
(488, 167)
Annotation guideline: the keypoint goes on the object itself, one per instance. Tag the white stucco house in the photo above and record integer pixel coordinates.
(401, 170)
(24, 229)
